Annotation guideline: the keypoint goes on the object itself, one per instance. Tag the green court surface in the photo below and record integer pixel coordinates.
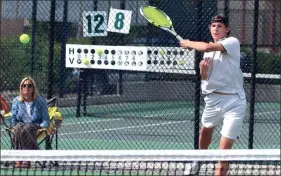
(141, 126)
(154, 125)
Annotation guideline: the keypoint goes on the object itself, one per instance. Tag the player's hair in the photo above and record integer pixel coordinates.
(35, 90)
(221, 19)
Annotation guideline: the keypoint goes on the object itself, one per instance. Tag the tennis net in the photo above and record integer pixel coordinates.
(139, 162)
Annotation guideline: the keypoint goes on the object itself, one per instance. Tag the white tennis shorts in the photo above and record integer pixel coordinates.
(230, 109)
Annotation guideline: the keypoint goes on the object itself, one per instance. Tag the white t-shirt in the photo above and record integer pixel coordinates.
(224, 73)
(28, 108)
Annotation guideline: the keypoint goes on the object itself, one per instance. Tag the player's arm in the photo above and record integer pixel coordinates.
(202, 46)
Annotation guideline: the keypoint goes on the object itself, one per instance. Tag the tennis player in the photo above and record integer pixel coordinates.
(222, 85)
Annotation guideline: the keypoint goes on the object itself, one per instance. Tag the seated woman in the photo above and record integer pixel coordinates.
(29, 113)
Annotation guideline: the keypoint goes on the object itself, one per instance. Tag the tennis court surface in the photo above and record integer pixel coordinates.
(158, 125)
(154, 125)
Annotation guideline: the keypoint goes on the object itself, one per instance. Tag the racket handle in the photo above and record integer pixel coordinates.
(179, 37)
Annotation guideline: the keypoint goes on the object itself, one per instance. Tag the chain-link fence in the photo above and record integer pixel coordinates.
(130, 109)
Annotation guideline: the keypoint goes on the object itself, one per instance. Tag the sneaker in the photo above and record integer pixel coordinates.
(18, 164)
(193, 169)
(25, 164)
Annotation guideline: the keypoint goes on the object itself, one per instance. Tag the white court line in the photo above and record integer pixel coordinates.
(156, 115)
(123, 128)
(146, 116)
(269, 112)
(98, 121)
(140, 126)
(116, 119)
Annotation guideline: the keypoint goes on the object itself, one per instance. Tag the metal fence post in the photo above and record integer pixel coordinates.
(34, 19)
(198, 79)
(63, 44)
(253, 74)
(51, 49)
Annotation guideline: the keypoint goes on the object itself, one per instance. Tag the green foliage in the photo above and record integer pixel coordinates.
(16, 58)
(267, 63)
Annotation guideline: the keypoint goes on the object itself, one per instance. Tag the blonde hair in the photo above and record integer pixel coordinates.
(35, 92)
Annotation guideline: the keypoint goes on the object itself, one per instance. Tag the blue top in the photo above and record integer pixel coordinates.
(38, 111)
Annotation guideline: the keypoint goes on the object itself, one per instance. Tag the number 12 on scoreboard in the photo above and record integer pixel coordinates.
(94, 23)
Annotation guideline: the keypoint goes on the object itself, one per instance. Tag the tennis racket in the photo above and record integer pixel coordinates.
(159, 19)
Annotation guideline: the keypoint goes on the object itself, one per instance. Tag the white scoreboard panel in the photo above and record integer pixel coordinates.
(170, 60)
(106, 57)
(135, 58)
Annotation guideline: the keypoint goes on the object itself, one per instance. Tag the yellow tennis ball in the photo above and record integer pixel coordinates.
(24, 38)
(85, 61)
(162, 52)
(181, 62)
(99, 51)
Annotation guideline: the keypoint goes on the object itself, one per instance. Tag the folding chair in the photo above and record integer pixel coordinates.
(48, 134)
(43, 134)
(3, 105)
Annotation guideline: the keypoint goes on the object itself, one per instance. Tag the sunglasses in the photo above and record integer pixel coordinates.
(27, 85)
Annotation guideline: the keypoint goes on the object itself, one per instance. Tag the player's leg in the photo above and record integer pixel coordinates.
(205, 137)
(211, 117)
(233, 114)
(222, 166)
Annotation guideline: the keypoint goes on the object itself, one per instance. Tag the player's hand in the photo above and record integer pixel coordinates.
(204, 67)
(184, 43)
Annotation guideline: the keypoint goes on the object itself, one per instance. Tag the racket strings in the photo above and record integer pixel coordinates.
(156, 17)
